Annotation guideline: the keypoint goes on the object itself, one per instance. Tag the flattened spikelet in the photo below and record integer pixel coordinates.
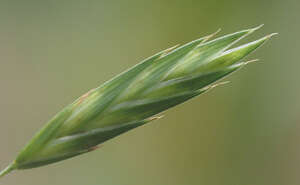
(135, 97)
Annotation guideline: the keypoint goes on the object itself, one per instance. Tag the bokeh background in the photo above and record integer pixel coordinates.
(244, 133)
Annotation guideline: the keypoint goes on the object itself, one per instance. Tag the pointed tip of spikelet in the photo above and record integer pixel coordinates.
(256, 28)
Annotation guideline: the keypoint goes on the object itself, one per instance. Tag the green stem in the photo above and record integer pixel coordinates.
(8, 169)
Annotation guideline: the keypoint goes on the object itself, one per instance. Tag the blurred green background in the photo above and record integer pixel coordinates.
(244, 133)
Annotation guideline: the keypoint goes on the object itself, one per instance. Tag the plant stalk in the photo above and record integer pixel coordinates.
(8, 169)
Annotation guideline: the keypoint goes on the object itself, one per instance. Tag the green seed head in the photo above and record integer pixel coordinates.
(134, 97)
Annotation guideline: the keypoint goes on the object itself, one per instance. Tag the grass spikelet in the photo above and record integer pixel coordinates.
(135, 97)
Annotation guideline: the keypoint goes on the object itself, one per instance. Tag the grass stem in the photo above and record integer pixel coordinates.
(8, 169)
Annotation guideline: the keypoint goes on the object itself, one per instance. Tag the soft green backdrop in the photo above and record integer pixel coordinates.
(244, 133)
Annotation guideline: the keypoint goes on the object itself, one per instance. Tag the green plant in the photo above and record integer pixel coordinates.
(134, 97)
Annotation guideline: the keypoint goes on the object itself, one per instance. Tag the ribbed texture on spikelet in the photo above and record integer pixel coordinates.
(134, 97)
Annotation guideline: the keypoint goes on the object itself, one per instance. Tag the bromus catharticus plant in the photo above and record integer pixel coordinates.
(135, 97)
